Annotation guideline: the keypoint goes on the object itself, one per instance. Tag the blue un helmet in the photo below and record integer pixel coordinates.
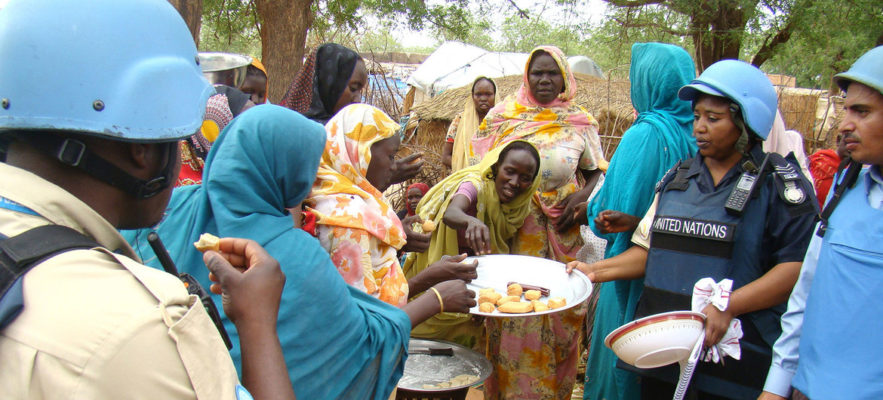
(116, 70)
(744, 85)
(867, 70)
(124, 70)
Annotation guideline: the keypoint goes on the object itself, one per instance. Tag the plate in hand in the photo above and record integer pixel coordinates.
(497, 270)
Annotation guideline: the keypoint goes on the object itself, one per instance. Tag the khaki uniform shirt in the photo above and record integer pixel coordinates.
(99, 325)
(641, 236)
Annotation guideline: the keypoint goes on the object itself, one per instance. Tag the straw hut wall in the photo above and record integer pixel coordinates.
(804, 110)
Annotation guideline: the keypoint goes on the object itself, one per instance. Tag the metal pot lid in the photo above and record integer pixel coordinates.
(424, 372)
(211, 62)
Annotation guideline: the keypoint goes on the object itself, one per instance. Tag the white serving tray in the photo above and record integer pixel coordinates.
(497, 270)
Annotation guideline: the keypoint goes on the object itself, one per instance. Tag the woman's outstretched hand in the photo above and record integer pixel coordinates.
(452, 267)
(415, 241)
(612, 221)
(456, 297)
(406, 168)
(478, 237)
(567, 206)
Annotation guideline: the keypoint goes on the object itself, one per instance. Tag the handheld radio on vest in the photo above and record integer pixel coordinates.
(192, 285)
(744, 188)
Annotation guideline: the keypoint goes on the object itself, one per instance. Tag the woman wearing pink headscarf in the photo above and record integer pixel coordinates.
(536, 357)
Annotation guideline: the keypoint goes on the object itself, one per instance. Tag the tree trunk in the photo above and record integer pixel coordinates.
(717, 33)
(284, 27)
(716, 26)
(191, 11)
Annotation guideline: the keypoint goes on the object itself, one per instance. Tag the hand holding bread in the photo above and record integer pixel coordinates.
(207, 242)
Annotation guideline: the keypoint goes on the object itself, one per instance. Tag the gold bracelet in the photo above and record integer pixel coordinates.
(441, 303)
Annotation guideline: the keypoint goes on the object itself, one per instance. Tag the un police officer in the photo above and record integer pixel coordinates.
(95, 97)
(731, 212)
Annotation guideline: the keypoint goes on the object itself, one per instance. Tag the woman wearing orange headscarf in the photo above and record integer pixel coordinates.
(255, 83)
(536, 357)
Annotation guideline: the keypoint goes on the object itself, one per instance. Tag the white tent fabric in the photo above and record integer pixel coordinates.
(585, 65)
(456, 64)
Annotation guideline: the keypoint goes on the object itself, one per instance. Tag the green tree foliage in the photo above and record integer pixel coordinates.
(611, 42)
(230, 26)
(829, 37)
(811, 39)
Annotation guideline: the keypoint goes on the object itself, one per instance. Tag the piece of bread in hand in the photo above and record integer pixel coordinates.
(516, 307)
(428, 226)
(207, 242)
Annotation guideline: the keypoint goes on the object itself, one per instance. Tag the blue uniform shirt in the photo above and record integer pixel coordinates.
(785, 351)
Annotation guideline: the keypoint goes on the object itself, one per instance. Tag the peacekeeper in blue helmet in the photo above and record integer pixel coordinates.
(731, 212)
(94, 97)
(830, 343)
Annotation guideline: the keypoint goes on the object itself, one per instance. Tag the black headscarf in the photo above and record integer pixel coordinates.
(321, 81)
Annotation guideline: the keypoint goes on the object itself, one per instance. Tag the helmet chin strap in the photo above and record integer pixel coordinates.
(74, 153)
(742, 142)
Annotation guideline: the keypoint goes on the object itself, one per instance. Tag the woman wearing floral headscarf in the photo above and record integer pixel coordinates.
(360, 229)
(536, 357)
(567, 138)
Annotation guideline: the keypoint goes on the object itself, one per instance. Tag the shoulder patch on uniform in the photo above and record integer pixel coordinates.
(793, 193)
(242, 393)
(789, 184)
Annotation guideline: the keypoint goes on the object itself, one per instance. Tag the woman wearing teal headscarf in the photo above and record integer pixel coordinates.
(338, 342)
(659, 138)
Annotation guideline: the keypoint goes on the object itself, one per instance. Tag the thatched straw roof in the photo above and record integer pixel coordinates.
(593, 93)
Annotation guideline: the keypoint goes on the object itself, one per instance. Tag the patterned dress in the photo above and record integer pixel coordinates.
(357, 227)
(536, 357)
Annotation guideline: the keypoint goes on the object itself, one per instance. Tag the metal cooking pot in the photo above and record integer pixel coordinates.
(427, 367)
(224, 68)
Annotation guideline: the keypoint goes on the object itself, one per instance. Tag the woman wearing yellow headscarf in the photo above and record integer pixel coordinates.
(360, 229)
(476, 210)
(536, 357)
(482, 98)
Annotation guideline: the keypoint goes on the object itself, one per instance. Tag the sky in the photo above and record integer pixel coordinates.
(593, 10)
